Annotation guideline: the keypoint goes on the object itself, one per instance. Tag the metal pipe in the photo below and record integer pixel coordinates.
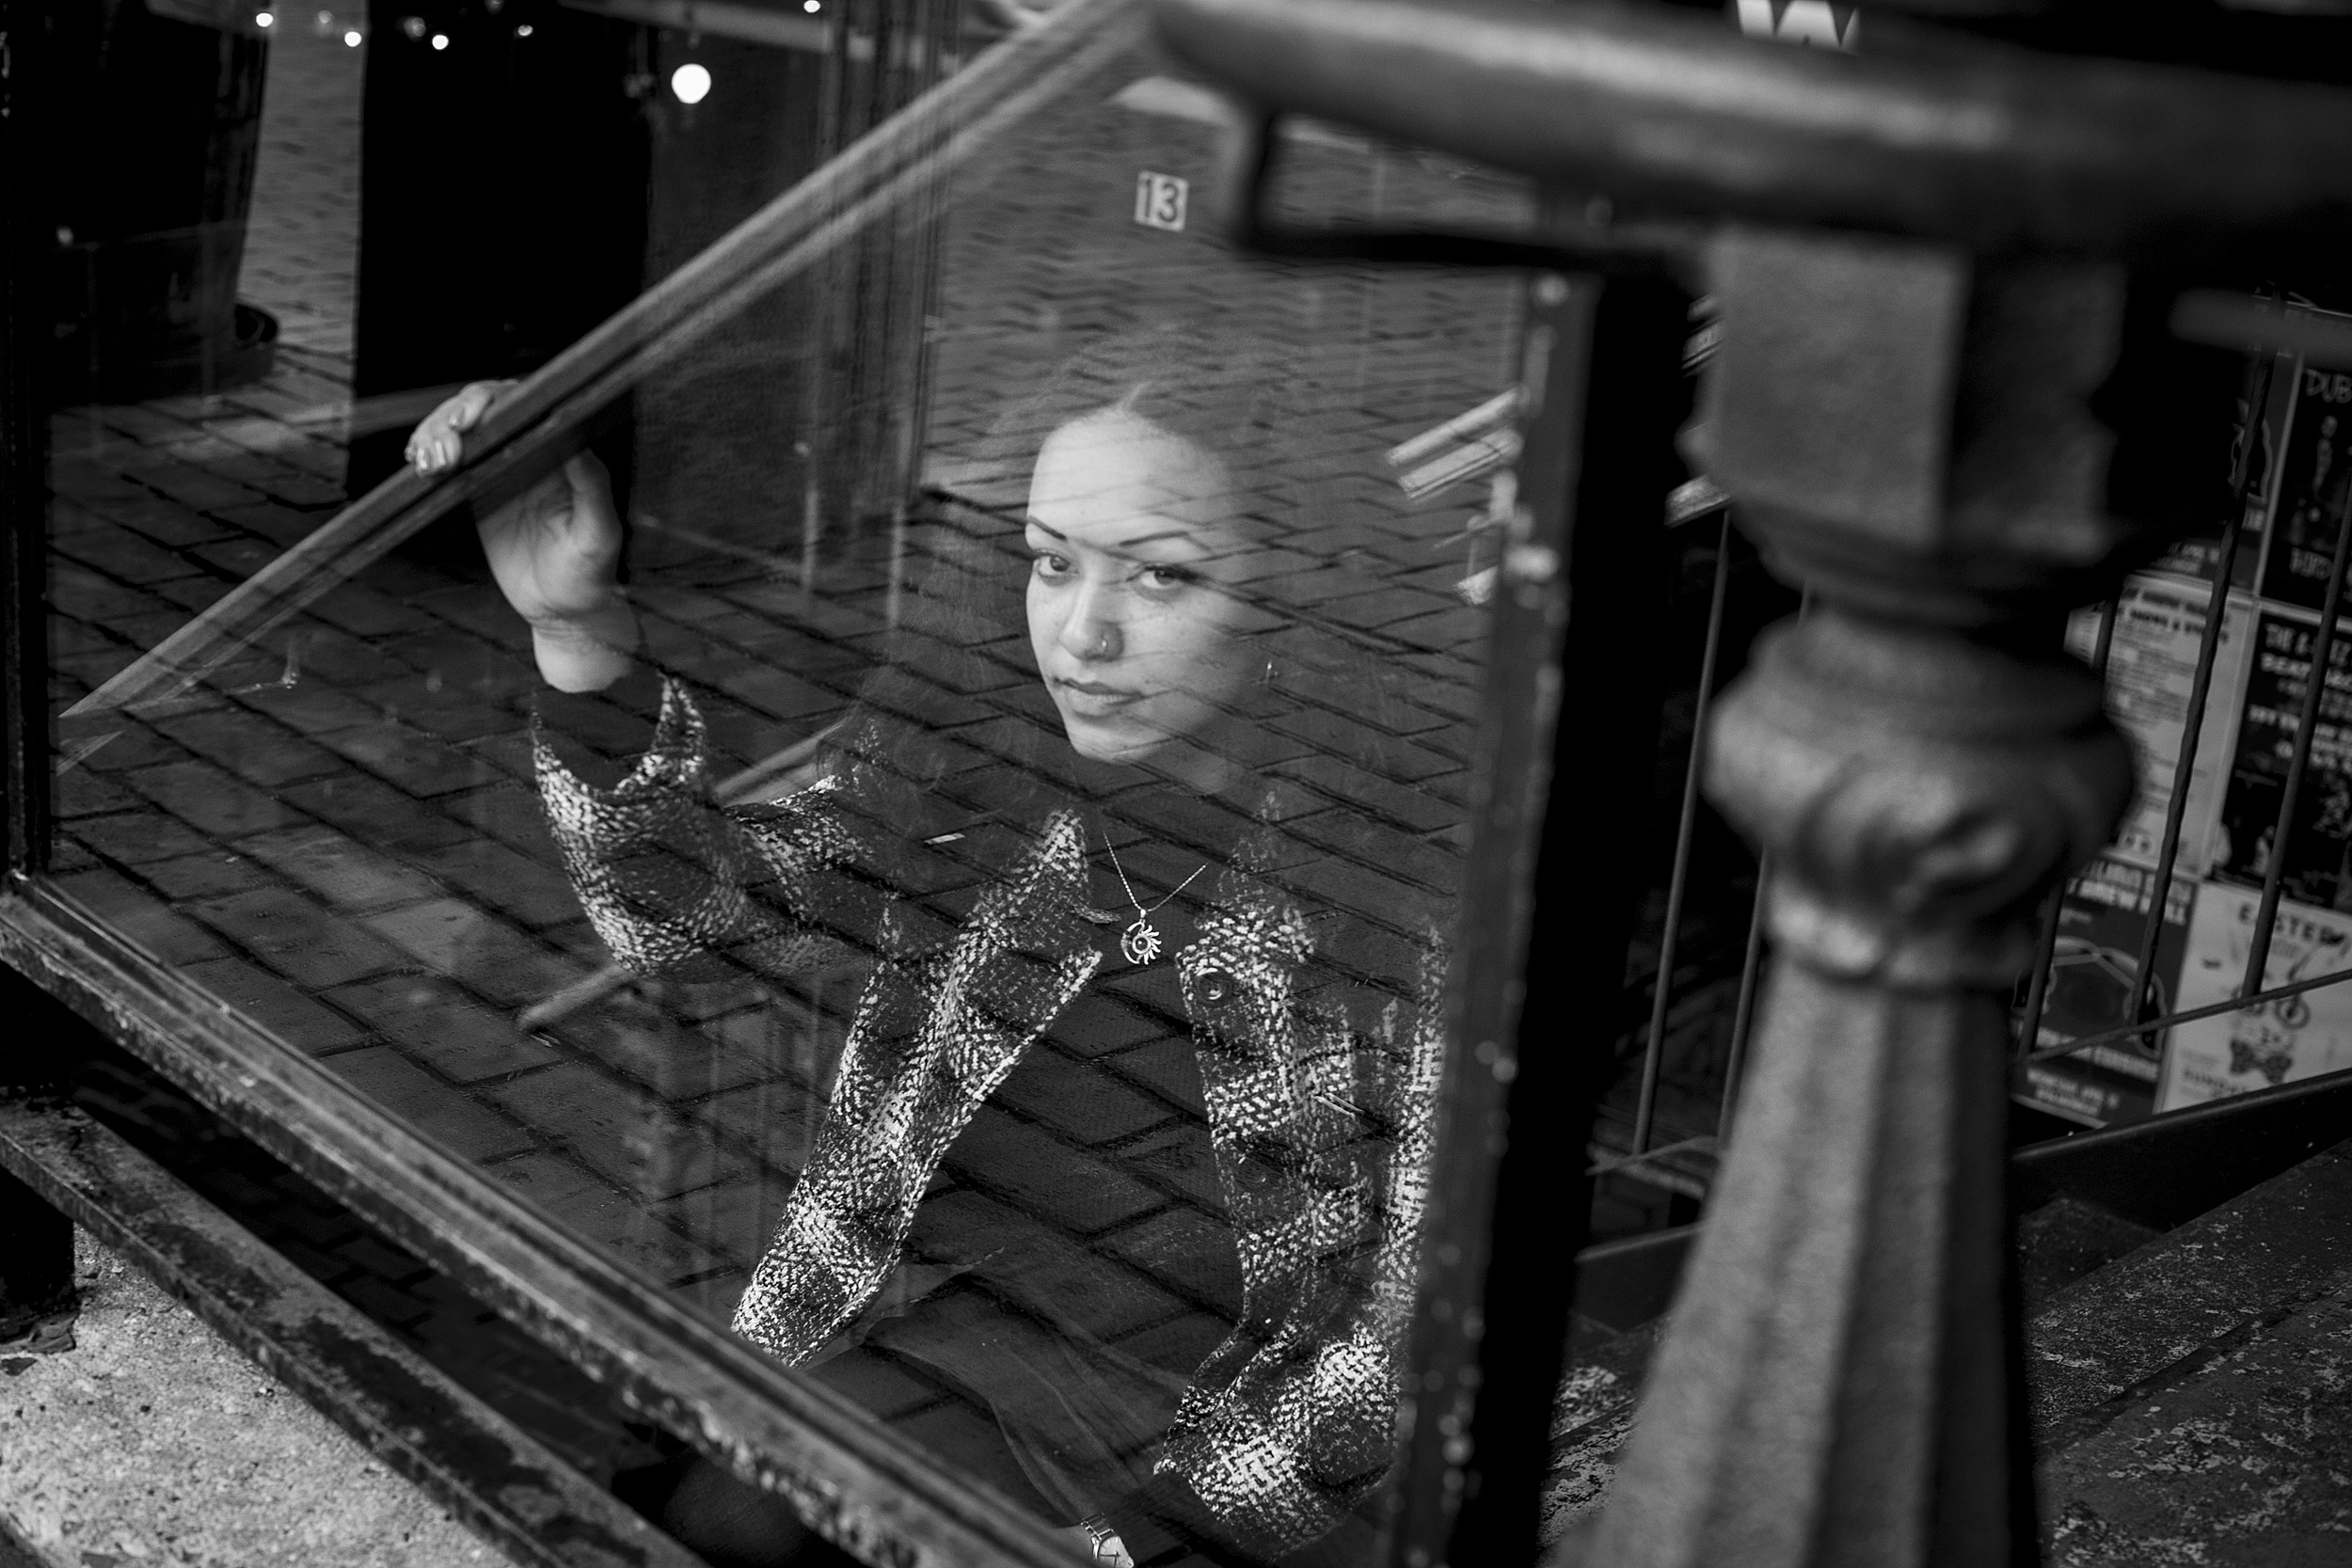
(2045, 954)
(2307, 722)
(1662, 994)
(1983, 145)
(1751, 966)
(2212, 1009)
(2200, 688)
(1743, 1010)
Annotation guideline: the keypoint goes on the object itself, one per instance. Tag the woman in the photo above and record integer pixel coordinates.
(1038, 862)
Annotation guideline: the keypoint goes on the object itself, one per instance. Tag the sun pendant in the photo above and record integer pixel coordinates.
(1140, 943)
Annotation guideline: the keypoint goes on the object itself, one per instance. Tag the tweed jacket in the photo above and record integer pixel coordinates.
(1319, 1122)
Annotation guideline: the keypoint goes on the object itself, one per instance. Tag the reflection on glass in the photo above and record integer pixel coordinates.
(932, 836)
(1079, 888)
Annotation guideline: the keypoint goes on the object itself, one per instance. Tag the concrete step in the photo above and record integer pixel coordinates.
(145, 1440)
(2192, 1399)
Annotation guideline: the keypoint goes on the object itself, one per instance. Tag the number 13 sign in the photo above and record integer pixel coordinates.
(1160, 200)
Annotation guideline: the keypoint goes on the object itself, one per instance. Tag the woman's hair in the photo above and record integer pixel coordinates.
(1243, 400)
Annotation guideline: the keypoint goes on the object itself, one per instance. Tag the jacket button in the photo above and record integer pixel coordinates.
(1215, 985)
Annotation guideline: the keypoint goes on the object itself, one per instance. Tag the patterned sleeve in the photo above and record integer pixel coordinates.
(1323, 1130)
(672, 881)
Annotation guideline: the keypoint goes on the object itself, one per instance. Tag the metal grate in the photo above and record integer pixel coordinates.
(2190, 901)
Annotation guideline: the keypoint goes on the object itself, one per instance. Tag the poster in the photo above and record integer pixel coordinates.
(2160, 625)
(2318, 849)
(2298, 456)
(2197, 555)
(2314, 482)
(2103, 919)
(2257, 1047)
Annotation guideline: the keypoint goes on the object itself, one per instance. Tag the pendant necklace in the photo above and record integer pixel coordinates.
(1141, 940)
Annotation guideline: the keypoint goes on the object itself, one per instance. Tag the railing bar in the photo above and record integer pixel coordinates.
(2322, 642)
(2212, 1009)
(2045, 954)
(1751, 967)
(1704, 1143)
(1743, 1010)
(2199, 687)
(1662, 992)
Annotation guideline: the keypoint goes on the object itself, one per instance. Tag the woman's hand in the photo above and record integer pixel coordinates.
(554, 551)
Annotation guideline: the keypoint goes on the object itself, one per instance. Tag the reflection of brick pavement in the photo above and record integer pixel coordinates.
(339, 835)
(302, 245)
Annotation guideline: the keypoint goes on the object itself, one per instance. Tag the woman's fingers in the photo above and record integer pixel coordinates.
(472, 402)
(437, 443)
(431, 448)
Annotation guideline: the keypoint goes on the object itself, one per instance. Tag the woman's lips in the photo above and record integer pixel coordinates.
(1091, 699)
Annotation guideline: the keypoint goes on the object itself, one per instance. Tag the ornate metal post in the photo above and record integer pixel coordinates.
(1909, 434)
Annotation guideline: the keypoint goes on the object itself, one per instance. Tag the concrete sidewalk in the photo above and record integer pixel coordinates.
(154, 1444)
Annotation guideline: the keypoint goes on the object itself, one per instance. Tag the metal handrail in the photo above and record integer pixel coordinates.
(1991, 147)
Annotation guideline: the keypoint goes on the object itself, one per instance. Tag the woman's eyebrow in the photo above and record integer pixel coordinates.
(1140, 539)
(1047, 528)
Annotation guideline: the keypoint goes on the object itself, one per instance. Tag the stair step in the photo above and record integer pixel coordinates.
(2192, 1401)
(2063, 1240)
(2188, 1295)
(2239, 1459)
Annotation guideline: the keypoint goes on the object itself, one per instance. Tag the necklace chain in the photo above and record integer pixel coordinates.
(1130, 886)
(1140, 941)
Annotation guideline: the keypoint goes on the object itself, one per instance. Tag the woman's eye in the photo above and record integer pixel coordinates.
(1167, 577)
(1050, 565)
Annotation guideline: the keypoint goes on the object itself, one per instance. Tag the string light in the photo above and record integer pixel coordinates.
(690, 82)
(812, 6)
(440, 40)
(351, 39)
(523, 31)
(263, 19)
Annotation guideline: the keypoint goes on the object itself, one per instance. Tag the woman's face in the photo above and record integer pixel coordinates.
(1133, 613)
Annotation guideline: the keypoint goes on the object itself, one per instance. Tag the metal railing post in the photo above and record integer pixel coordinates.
(1922, 762)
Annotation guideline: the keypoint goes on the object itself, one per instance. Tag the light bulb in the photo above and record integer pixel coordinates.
(812, 6)
(263, 19)
(690, 82)
(351, 39)
(440, 40)
(523, 31)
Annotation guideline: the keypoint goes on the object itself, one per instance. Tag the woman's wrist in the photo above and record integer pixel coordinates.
(590, 651)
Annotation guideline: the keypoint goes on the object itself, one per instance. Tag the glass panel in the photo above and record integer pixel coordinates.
(928, 831)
